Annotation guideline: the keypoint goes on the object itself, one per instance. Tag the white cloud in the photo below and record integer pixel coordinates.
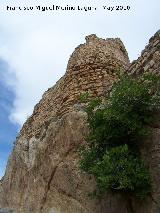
(37, 45)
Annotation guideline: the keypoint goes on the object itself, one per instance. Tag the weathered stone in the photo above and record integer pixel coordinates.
(150, 58)
(42, 174)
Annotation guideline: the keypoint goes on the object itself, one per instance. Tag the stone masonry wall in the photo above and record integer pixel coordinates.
(92, 67)
(149, 59)
(42, 174)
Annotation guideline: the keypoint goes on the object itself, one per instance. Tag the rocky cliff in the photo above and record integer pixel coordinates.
(42, 175)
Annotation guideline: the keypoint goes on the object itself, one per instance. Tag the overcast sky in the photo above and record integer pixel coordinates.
(35, 47)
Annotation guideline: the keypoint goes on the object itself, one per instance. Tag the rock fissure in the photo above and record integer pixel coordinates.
(51, 178)
(42, 173)
(47, 189)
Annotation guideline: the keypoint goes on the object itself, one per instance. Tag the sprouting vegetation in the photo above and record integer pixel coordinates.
(118, 125)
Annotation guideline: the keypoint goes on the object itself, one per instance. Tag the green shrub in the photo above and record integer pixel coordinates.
(117, 127)
(120, 171)
(84, 97)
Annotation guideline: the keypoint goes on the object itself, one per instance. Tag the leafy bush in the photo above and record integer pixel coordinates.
(120, 171)
(117, 126)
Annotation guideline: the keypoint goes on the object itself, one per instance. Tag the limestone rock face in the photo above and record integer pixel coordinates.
(42, 174)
